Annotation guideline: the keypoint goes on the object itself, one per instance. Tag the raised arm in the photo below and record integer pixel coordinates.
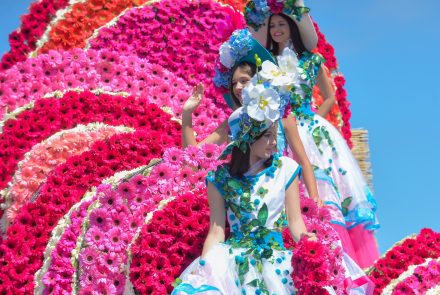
(297, 147)
(324, 83)
(217, 216)
(306, 29)
(219, 136)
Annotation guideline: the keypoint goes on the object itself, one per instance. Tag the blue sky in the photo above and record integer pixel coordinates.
(388, 51)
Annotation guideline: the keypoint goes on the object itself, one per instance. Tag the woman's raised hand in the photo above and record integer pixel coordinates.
(195, 99)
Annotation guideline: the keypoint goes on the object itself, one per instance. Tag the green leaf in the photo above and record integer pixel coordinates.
(243, 268)
(254, 283)
(234, 184)
(245, 198)
(267, 253)
(263, 214)
(317, 138)
(177, 282)
(346, 202)
(235, 209)
(259, 266)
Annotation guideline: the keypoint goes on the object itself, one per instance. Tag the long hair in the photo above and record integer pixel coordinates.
(294, 36)
(250, 69)
(240, 162)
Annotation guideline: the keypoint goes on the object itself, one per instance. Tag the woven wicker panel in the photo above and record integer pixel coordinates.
(361, 151)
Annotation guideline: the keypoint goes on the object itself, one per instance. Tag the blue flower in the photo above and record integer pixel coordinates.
(222, 79)
(256, 13)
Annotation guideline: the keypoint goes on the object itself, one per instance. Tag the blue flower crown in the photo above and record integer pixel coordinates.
(241, 47)
(230, 54)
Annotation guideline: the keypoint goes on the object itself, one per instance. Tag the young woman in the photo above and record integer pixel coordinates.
(340, 181)
(256, 219)
(239, 75)
(258, 193)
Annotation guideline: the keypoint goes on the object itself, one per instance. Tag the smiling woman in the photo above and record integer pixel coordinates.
(372, 63)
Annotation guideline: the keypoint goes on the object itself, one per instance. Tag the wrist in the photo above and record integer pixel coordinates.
(187, 112)
(299, 11)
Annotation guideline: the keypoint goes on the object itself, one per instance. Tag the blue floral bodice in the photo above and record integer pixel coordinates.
(308, 66)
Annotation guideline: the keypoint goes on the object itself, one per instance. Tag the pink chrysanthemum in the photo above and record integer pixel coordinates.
(88, 257)
(116, 239)
(126, 190)
(173, 156)
(110, 261)
(94, 237)
(163, 171)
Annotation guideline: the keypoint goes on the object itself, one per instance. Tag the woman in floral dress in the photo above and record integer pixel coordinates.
(340, 181)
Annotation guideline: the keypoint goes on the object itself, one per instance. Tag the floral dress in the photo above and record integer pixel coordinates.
(253, 259)
(340, 181)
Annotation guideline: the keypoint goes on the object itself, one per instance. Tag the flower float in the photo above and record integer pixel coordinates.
(405, 263)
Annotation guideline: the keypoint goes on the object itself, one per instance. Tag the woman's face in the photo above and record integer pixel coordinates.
(279, 29)
(265, 146)
(240, 78)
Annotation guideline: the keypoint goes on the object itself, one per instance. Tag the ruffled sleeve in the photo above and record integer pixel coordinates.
(311, 63)
(292, 170)
(217, 178)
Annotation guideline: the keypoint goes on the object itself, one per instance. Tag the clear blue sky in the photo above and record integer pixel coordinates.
(388, 52)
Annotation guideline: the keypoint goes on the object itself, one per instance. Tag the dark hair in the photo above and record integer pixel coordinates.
(250, 68)
(294, 36)
(240, 162)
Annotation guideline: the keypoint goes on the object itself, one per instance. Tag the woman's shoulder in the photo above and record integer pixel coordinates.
(314, 57)
(219, 174)
(288, 166)
(288, 161)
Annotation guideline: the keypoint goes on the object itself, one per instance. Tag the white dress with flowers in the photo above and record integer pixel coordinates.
(253, 260)
(340, 181)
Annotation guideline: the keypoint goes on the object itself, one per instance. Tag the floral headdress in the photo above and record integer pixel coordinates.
(265, 100)
(257, 11)
(240, 47)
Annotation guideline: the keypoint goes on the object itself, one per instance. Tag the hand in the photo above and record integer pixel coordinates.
(318, 202)
(311, 237)
(195, 99)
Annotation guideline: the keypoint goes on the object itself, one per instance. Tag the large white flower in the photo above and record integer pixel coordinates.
(284, 75)
(288, 61)
(226, 56)
(261, 103)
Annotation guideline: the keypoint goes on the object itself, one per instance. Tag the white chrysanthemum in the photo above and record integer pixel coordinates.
(286, 74)
(261, 103)
(226, 56)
